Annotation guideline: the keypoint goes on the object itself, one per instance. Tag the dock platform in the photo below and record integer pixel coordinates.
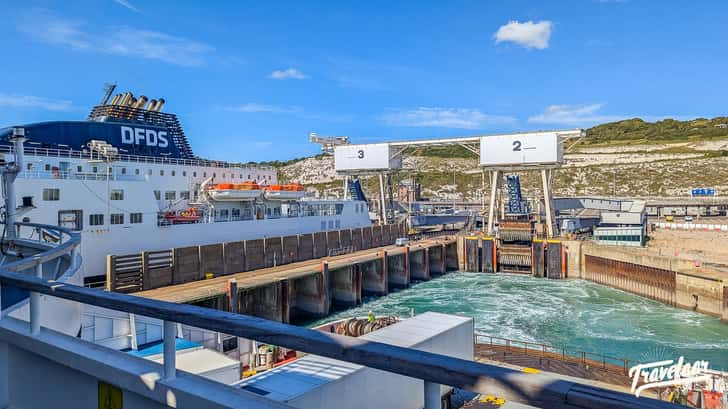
(309, 289)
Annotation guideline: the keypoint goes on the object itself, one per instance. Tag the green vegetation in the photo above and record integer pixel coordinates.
(631, 131)
(453, 151)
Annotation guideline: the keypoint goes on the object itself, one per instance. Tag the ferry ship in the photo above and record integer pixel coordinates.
(127, 179)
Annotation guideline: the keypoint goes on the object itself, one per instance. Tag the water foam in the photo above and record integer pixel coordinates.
(575, 313)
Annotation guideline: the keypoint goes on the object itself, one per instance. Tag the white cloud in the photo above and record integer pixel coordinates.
(45, 26)
(589, 115)
(128, 5)
(574, 115)
(252, 107)
(462, 118)
(31, 101)
(527, 34)
(291, 73)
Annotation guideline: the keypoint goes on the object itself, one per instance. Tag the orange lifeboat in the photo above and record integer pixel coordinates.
(241, 192)
(186, 216)
(291, 191)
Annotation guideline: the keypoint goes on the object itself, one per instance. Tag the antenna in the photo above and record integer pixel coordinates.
(109, 88)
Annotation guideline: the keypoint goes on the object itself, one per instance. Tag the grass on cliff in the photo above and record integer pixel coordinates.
(634, 131)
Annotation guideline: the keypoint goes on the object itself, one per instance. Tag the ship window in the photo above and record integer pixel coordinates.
(338, 224)
(214, 174)
(116, 194)
(117, 218)
(174, 173)
(149, 172)
(194, 174)
(157, 195)
(94, 169)
(123, 171)
(184, 195)
(79, 169)
(96, 219)
(51, 194)
(48, 166)
(204, 174)
(161, 172)
(331, 224)
(136, 171)
(170, 195)
(339, 208)
(135, 218)
(236, 214)
(184, 173)
(30, 166)
(241, 176)
(223, 176)
(248, 177)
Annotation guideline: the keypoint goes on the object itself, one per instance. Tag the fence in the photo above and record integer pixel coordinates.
(565, 354)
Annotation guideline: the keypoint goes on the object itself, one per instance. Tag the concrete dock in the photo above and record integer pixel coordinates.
(309, 289)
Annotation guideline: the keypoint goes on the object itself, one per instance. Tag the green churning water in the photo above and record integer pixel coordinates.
(575, 313)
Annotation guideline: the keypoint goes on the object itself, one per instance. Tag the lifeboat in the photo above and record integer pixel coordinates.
(240, 192)
(291, 191)
(186, 216)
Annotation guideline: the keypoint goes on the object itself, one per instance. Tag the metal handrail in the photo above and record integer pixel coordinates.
(72, 153)
(535, 389)
(567, 354)
(64, 247)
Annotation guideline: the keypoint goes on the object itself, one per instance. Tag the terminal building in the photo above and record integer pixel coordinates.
(613, 221)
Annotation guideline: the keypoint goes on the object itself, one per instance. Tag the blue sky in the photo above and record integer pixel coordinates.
(250, 80)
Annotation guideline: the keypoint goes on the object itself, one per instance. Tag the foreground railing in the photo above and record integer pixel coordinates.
(536, 389)
(563, 353)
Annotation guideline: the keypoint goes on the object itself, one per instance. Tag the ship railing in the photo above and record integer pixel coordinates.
(542, 390)
(563, 353)
(69, 175)
(38, 245)
(83, 154)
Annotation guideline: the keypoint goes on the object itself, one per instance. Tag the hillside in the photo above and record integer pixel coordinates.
(629, 158)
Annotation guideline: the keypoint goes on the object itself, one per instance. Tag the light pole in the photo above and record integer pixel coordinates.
(454, 187)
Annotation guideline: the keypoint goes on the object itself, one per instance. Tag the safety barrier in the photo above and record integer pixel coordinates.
(564, 353)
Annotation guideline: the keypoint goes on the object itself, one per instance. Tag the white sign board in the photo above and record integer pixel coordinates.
(542, 148)
(365, 157)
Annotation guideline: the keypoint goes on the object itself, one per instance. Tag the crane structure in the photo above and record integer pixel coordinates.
(328, 143)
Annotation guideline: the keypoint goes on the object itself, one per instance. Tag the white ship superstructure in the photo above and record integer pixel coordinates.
(127, 180)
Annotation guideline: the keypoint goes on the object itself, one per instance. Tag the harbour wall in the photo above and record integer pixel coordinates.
(674, 281)
(687, 284)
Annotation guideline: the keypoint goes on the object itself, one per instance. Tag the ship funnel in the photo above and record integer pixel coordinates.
(151, 105)
(116, 99)
(126, 99)
(160, 104)
(141, 102)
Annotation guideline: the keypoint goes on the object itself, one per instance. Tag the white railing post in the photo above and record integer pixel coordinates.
(432, 395)
(170, 350)
(35, 304)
